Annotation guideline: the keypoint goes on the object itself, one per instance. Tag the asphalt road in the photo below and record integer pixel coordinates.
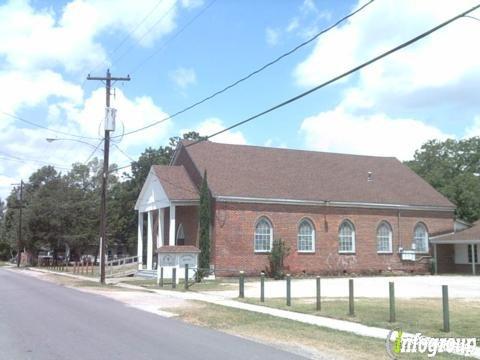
(44, 321)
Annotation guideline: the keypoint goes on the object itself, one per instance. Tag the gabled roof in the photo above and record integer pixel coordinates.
(175, 182)
(471, 234)
(244, 171)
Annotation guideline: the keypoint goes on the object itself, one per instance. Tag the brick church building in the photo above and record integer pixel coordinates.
(337, 213)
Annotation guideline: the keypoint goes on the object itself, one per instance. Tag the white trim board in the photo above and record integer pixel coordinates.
(239, 199)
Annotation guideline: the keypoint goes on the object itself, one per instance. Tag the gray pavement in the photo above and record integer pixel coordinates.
(44, 321)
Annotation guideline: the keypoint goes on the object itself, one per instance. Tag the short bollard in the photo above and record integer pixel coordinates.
(289, 293)
(446, 313)
(351, 306)
(319, 304)
(174, 278)
(262, 287)
(186, 277)
(241, 285)
(391, 288)
(160, 282)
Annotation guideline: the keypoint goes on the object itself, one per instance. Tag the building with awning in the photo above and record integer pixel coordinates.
(457, 252)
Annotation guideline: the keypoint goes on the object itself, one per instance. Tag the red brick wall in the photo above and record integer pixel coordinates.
(234, 225)
(186, 215)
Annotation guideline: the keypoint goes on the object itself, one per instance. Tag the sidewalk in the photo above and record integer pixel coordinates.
(217, 299)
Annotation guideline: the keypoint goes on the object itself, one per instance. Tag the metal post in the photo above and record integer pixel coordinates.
(289, 294)
(262, 287)
(161, 277)
(351, 306)
(174, 278)
(472, 246)
(391, 288)
(241, 285)
(446, 313)
(186, 277)
(319, 304)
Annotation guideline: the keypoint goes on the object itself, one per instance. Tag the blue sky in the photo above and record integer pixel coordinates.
(48, 47)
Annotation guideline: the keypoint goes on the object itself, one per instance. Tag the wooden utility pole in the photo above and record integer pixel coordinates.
(19, 195)
(103, 207)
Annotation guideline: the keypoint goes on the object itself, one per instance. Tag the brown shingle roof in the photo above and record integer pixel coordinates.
(176, 182)
(472, 233)
(262, 172)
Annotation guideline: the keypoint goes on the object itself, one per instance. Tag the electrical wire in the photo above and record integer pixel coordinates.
(122, 55)
(9, 157)
(45, 127)
(255, 72)
(173, 37)
(94, 151)
(347, 73)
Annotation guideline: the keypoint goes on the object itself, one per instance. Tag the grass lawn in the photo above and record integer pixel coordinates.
(308, 340)
(412, 315)
(205, 285)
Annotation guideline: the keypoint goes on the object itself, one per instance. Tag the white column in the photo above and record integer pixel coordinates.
(140, 240)
(171, 238)
(150, 242)
(161, 215)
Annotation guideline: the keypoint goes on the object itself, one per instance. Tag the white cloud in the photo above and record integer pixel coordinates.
(272, 36)
(33, 38)
(213, 125)
(339, 131)
(184, 77)
(293, 24)
(440, 66)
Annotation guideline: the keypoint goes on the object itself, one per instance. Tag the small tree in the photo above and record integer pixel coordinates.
(279, 251)
(204, 225)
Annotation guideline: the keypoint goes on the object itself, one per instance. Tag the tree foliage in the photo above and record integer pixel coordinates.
(453, 168)
(204, 224)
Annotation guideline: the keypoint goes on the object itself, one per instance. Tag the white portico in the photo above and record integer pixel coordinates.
(167, 213)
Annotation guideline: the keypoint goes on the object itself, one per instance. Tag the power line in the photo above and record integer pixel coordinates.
(94, 151)
(9, 157)
(45, 127)
(120, 44)
(253, 73)
(123, 152)
(336, 78)
(144, 34)
(181, 30)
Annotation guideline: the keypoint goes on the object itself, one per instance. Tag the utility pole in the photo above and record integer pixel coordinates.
(19, 195)
(103, 207)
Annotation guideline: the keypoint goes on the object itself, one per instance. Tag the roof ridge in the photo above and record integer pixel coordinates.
(289, 149)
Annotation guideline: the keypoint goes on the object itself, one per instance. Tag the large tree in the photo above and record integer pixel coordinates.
(453, 168)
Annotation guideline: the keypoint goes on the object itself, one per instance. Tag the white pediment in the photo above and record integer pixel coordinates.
(152, 196)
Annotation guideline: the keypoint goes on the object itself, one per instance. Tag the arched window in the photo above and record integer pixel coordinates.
(180, 235)
(346, 238)
(420, 238)
(306, 236)
(384, 238)
(263, 236)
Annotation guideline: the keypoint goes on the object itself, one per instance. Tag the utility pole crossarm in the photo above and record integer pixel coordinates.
(103, 207)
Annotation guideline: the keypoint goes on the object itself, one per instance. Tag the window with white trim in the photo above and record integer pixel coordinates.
(420, 238)
(470, 255)
(384, 238)
(263, 236)
(346, 238)
(306, 237)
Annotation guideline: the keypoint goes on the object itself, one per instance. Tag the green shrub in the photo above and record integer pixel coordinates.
(276, 257)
